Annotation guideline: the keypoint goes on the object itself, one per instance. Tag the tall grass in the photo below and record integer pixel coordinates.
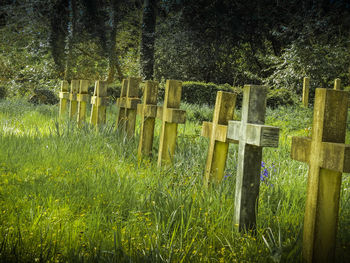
(77, 195)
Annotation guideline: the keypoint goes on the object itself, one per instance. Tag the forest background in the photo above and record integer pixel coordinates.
(275, 43)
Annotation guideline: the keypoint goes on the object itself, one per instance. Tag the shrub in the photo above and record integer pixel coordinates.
(280, 97)
(3, 92)
(43, 96)
(200, 93)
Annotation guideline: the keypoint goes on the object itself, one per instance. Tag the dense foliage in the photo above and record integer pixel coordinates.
(275, 43)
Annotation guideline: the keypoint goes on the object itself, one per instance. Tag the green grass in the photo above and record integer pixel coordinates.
(77, 195)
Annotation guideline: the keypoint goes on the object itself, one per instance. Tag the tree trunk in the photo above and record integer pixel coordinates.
(147, 39)
(112, 52)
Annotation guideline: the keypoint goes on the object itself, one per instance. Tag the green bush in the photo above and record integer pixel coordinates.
(3, 92)
(280, 97)
(43, 96)
(202, 93)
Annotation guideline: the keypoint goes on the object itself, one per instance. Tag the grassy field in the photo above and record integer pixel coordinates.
(77, 195)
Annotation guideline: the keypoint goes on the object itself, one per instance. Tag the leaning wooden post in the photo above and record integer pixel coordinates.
(148, 112)
(217, 131)
(83, 98)
(73, 103)
(337, 84)
(328, 157)
(252, 135)
(171, 115)
(99, 103)
(306, 87)
(127, 104)
(64, 97)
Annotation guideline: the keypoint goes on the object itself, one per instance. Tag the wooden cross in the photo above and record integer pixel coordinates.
(252, 135)
(306, 87)
(217, 131)
(73, 103)
(64, 97)
(99, 103)
(337, 84)
(171, 116)
(148, 112)
(127, 104)
(83, 98)
(328, 157)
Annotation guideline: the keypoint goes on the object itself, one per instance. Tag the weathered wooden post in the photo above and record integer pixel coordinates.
(127, 104)
(328, 157)
(73, 103)
(337, 84)
(171, 115)
(64, 96)
(306, 87)
(83, 98)
(217, 131)
(252, 135)
(148, 112)
(99, 103)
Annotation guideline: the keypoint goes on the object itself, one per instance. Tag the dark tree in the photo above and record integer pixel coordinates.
(147, 39)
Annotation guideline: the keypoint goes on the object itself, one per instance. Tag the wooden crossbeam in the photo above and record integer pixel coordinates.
(217, 132)
(147, 111)
(170, 116)
(83, 98)
(64, 97)
(328, 157)
(252, 135)
(99, 103)
(73, 103)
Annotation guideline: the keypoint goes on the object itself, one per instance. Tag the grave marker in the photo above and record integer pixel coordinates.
(217, 131)
(337, 83)
(252, 135)
(171, 116)
(306, 87)
(64, 97)
(127, 104)
(328, 157)
(148, 112)
(99, 103)
(83, 98)
(73, 103)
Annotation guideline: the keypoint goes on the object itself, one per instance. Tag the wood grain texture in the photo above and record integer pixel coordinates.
(147, 111)
(64, 97)
(73, 103)
(328, 157)
(252, 135)
(217, 131)
(168, 132)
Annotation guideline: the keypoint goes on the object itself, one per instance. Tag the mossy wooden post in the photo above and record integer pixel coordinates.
(99, 103)
(64, 97)
(148, 112)
(328, 157)
(83, 98)
(127, 104)
(171, 116)
(217, 131)
(121, 102)
(73, 103)
(252, 135)
(337, 83)
(306, 87)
